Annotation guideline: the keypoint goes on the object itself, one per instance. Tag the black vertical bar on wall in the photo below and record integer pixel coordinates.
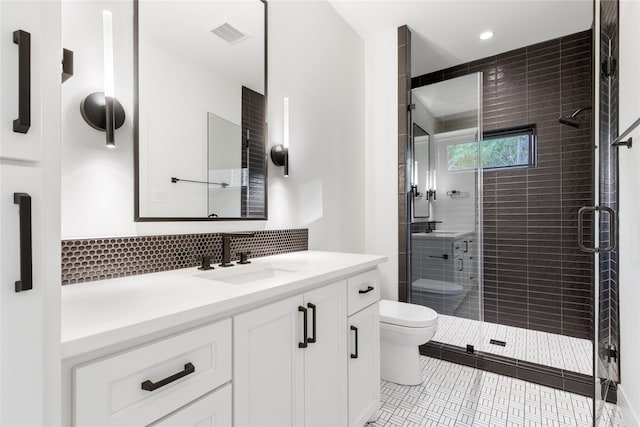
(23, 200)
(23, 122)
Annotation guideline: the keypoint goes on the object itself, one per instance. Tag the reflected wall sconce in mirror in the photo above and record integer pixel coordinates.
(280, 152)
(431, 190)
(101, 110)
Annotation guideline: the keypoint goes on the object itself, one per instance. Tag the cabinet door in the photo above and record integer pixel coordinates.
(22, 314)
(364, 370)
(212, 410)
(325, 387)
(21, 69)
(268, 370)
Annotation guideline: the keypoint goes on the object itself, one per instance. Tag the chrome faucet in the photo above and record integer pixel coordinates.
(226, 247)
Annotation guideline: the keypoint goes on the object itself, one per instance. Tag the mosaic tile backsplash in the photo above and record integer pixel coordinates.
(87, 260)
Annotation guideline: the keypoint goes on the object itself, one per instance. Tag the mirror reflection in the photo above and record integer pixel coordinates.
(445, 176)
(201, 110)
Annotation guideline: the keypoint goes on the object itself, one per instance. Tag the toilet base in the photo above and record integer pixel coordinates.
(400, 364)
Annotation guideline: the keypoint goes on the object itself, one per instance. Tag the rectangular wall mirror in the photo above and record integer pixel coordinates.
(200, 133)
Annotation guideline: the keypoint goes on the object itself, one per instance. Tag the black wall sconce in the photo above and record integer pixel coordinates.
(280, 152)
(103, 113)
(101, 110)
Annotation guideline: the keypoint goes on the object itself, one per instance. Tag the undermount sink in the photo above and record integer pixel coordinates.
(243, 274)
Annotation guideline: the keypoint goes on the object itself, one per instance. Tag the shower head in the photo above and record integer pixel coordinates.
(569, 121)
(572, 120)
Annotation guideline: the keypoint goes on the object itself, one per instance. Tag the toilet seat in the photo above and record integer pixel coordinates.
(407, 315)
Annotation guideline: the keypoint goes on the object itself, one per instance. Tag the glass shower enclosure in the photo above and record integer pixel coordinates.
(446, 232)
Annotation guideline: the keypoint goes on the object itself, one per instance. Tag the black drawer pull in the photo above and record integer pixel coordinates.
(355, 355)
(313, 319)
(444, 256)
(23, 200)
(23, 122)
(366, 291)
(149, 385)
(305, 326)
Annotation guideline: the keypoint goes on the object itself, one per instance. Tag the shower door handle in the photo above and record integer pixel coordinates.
(581, 213)
(612, 229)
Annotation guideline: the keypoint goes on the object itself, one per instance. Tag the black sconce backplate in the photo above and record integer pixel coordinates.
(93, 111)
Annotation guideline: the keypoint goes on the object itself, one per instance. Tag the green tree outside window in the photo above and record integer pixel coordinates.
(496, 153)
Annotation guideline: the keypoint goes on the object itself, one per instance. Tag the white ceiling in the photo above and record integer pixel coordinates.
(445, 32)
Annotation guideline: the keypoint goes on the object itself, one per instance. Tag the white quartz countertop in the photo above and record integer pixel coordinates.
(100, 314)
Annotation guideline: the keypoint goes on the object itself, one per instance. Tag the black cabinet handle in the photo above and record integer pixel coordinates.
(67, 64)
(466, 246)
(23, 122)
(23, 200)
(149, 385)
(305, 326)
(355, 355)
(313, 319)
(366, 291)
(444, 256)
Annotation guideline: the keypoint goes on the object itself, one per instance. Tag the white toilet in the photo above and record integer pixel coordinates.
(403, 327)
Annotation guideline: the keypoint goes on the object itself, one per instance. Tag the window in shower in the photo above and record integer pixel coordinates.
(503, 148)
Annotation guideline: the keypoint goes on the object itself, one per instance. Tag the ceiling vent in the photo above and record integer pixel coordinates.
(229, 33)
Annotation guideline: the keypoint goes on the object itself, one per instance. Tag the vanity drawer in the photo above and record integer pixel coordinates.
(174, 371)
(213, 409)
(362, 290)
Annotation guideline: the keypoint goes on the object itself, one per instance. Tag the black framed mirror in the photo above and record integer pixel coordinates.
(200, 110)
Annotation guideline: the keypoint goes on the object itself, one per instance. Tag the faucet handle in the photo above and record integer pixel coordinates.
(244, 257)
(206, 263)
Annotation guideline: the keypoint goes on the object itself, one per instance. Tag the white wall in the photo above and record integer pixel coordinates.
(315, 59)
(381, 220)
(174, 131)
(629, 211)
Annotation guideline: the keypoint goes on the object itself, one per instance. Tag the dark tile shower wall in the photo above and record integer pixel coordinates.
(404, 217)
(87, 260)
(253, 154)
(608, 319)
(535, 276)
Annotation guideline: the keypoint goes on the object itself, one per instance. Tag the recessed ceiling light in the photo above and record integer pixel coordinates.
(486, 35)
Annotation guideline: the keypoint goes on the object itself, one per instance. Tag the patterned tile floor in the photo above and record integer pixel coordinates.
(559, 351)
(458, 396)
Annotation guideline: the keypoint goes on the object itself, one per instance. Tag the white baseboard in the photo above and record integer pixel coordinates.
(629, 414)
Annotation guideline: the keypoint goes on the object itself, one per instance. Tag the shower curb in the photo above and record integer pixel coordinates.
(561, 379)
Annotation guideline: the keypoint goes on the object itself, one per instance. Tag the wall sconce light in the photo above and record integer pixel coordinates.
(101, 110)
(280, 152)
(431, 192)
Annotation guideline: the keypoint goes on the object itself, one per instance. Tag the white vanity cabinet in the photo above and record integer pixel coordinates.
(286, 374)
(144, 384)
(212, 410)
(364, 348)
(280, 354)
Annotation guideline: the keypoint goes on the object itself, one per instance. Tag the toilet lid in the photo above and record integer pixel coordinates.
(439, 287)
(410, 315)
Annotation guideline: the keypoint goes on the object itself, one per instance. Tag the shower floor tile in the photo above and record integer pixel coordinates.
(558, 351)
(456, 395)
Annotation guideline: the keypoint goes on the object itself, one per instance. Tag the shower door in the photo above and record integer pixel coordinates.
(446, 206)
(606, 353)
